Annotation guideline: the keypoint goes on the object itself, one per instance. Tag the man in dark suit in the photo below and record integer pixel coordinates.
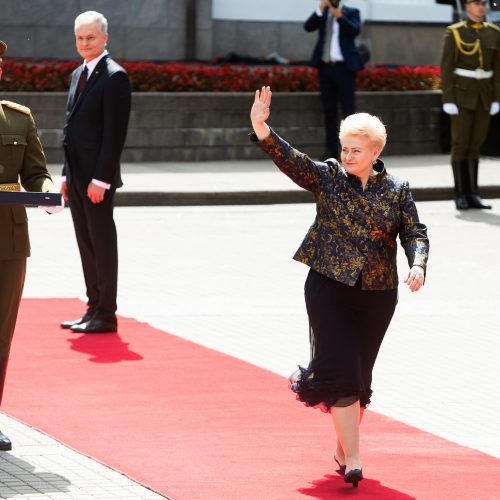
(337, 59)
(96, 126)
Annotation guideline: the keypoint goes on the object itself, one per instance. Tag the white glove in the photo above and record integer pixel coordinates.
(53, 209)
(450, 108)
(495, 108)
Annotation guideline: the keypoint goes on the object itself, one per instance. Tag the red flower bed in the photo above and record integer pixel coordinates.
(21, 75)
(402, 78)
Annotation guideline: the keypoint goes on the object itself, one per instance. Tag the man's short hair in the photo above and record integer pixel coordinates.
(89, 17)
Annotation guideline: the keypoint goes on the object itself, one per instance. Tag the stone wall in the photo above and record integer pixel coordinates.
(389, 43)
(185, 29)
(138, 29)
(205, 126)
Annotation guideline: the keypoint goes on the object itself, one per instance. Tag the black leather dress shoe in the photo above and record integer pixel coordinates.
(5, 443)
(476, 202)
(68, 324)
(94, 326)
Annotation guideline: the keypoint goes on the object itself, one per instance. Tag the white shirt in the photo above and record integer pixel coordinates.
(92, 64)
(335, 52)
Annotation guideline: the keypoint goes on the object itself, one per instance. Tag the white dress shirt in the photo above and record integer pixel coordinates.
(335, 52)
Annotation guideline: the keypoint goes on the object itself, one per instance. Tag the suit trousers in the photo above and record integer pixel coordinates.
(337, 84)
(468, 132)
(97, 241)
(12, 274)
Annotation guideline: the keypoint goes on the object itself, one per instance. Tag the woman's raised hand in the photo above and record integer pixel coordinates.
(260, 112)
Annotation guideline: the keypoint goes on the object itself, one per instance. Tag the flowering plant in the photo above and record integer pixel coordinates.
(400, 78)
(51, 76)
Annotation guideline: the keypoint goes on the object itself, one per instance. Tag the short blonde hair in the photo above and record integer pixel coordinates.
(364, 124)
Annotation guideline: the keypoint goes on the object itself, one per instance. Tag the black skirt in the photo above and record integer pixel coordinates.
(346, 326)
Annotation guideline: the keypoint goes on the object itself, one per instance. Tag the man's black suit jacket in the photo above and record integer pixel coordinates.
(96, 125)
(349, 29)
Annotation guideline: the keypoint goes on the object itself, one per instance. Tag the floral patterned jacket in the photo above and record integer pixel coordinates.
(354, 230)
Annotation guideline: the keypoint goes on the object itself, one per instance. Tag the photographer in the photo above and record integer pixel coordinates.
(337, 59)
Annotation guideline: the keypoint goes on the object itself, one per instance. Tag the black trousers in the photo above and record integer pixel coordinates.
(347, 326)
(97, 241)
(337, 84)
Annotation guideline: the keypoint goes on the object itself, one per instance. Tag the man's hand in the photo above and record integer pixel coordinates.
(337, 13)
(495, 108)
(64, 191)
(450, 108)
(95, 193)
(324, 4)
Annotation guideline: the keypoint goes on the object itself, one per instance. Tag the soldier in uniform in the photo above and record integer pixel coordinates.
(21, 159)
(470, 80)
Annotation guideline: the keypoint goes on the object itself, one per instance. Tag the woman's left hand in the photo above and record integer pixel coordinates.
(415, 278)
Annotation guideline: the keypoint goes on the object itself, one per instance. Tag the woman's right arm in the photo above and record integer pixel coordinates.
(296, 165)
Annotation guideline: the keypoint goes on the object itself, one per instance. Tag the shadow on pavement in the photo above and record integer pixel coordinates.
(479, 216)
(16, 473)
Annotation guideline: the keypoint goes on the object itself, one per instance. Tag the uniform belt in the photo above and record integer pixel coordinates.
(14, 186)
(478, 74)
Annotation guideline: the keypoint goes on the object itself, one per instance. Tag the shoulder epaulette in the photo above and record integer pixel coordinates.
(460, 24)
(492, 25)
(17, 107)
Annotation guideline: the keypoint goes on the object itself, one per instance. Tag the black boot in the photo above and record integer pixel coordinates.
(459, 168)
(472, 189)
(5, 444)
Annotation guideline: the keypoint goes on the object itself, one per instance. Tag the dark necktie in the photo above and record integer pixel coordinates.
(82, 81)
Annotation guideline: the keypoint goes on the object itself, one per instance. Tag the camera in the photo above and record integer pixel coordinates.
(334, 3)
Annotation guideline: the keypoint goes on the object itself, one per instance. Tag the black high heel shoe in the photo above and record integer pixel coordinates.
(341, 469)
(354, 476)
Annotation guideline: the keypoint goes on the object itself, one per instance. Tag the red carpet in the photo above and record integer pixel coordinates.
(192, 423)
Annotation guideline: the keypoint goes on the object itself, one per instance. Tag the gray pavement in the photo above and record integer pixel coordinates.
(260, 182)
(223, 277)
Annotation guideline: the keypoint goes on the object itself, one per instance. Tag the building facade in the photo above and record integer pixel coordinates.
(396, 31)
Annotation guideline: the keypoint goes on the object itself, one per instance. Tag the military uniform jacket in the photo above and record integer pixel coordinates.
(355, 230)
(470, 45)
(21, 159)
